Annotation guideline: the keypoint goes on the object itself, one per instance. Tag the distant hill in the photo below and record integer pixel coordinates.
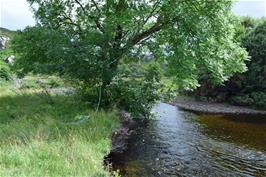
(7, 32)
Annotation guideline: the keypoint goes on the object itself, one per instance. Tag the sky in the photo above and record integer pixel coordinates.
(254, 8)
(15, 14)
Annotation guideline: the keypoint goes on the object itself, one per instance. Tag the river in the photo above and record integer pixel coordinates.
(179, 143)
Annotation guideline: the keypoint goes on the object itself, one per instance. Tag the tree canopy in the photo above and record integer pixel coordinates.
(89, 39)
(243, 89)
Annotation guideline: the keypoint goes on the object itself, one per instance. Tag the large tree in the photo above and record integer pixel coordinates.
(89, 39)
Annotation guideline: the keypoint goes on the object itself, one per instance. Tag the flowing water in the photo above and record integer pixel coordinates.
(180, 143)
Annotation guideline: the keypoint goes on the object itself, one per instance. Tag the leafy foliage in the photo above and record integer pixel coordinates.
(135, 88)
(89, 40)
(5, 72)
(255, 42)
(249, 88)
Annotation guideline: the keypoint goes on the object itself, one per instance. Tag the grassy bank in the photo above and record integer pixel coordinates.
(62, 137)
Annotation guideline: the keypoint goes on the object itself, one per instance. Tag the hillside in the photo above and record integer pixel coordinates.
(6, 32)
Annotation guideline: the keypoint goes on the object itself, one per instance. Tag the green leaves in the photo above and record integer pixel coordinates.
(248, 88)
(89, 40)
(136, 88)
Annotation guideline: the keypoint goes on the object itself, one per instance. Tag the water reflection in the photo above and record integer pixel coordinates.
(179, 143)
(234, 129)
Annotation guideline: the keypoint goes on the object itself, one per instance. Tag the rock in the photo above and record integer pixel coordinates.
(119, 140)
(18, 83)
(3, 42)
(10, 59)
(126, 119)
(62, 90)
(121, 135)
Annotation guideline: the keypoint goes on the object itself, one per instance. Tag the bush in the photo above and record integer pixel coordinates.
(249, 88)
(5, 73)
(259, 99)
(137, 91)
(255, 99)
(244, 100)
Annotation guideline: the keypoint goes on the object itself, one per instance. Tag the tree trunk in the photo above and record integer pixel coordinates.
(108, 73)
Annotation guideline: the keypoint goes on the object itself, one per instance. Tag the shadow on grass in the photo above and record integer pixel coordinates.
(40, 138)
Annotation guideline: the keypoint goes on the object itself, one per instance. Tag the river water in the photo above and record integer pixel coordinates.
(180, 143)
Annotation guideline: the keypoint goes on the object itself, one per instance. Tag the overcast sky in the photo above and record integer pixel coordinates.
(15, 14)
(254, 8)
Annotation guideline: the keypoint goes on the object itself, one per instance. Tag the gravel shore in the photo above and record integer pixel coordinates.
(214, 108)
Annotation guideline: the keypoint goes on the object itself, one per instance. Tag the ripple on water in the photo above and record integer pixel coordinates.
(179, 143)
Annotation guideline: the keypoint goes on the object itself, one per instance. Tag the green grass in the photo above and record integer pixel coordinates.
(38, 81)
(65, 138)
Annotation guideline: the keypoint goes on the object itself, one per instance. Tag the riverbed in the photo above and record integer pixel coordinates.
(180, 143)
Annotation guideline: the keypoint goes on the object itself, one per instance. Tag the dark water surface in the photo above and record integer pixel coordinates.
(179, 143)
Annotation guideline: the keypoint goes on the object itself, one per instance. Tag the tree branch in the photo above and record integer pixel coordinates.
(82, 7)
(155, 28)
(71, 22)
(156, 4)
(97, 8)
(138, 37)
(96, 20)
(99, 26)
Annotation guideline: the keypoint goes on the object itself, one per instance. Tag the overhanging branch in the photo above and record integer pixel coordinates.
(154, 29)
(138, 37)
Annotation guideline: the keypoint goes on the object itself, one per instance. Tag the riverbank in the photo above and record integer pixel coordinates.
(52, 135)
(180, 143)
(190, 104)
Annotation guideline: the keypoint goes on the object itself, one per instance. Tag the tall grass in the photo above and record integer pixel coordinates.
(65, 138)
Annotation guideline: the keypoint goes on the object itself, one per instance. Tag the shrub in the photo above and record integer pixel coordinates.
(259, 99)
(255, 99)
(249, 88)
(244, 100)
(5, 73)
(137, 91)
